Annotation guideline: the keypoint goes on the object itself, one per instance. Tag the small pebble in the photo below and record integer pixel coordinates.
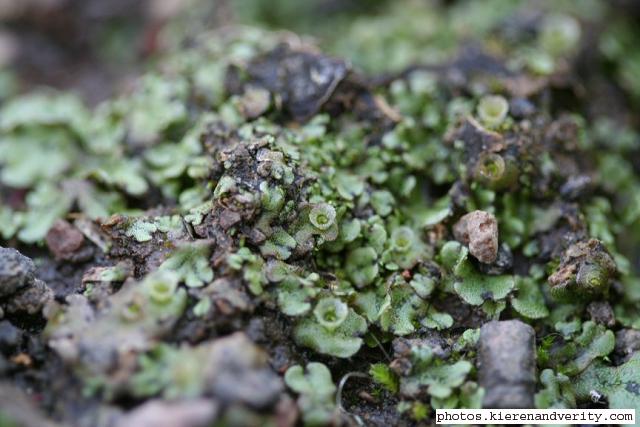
(479, 230)
(63, 239)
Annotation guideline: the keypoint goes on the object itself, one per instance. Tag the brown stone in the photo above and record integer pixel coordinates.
(63, 239)
(479, 230)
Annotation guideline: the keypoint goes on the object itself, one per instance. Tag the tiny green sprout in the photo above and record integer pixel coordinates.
(315, 379)
(141, 230)
(191, 263)
(252, 267)
(197, 213)
(400, 310)
(348, 186)
(173, 372)
(540, 62)
(116, 273)
(472, 286)
(322, 216)
(559, 34)
(383, 375)
(419, 411)
(276, 271)
(402, 239)
(493, 109)
(331, 312)
(437, 213)
(404, 251)
(529, 301)
(168, 224)
(202, 307)
(468, 340)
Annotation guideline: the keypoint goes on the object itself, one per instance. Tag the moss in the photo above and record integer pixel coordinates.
(325, 200)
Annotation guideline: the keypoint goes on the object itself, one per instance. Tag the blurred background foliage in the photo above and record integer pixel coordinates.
(93, 46)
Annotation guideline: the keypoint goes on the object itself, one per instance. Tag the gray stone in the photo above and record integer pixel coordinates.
(10, 337)
(20, 291)
(16, 271)
(30, 300)
(507, 365)
(627, 343)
